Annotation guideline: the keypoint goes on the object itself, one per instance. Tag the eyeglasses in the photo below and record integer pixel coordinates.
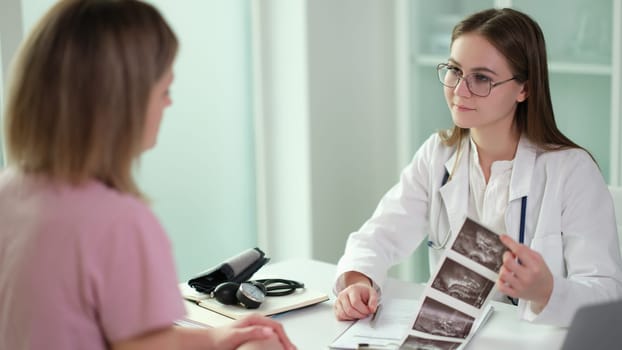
(477, 83)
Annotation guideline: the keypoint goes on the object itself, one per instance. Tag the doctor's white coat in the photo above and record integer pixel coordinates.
(570, 221)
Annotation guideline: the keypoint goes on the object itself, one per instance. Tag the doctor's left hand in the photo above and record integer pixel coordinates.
(525, 275)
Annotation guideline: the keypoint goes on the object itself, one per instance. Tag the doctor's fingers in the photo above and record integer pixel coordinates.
(526, 256)
(508, 283)
(524, 274)
(345, 312)
(355, 300)
(527, 266)
(507, 288)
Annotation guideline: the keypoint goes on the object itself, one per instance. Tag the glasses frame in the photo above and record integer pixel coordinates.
(462, 77)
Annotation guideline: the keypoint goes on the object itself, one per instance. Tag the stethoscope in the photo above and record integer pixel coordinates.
(442, 244)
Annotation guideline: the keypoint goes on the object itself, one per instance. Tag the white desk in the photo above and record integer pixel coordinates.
(315, 327)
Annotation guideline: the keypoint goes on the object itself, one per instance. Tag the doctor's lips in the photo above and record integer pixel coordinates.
(462, 107)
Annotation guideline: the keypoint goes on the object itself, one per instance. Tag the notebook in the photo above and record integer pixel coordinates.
(271, 306)
(596, 327)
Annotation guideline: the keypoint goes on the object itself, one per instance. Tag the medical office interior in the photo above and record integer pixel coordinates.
(291, 118)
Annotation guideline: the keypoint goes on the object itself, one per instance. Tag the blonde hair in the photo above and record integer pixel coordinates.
(77, 103)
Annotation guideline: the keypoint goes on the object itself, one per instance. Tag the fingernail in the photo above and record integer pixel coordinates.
(267, 331)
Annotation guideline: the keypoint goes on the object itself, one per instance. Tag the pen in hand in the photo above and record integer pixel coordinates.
(374, 316)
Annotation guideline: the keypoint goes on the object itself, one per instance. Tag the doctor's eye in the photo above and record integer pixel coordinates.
(481, 78)
(455, 70)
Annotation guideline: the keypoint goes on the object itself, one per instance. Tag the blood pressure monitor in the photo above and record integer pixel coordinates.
(251, 295)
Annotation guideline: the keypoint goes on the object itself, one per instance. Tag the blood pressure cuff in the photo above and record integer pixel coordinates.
(237, 268)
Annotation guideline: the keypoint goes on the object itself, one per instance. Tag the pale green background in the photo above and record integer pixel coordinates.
(202, 175)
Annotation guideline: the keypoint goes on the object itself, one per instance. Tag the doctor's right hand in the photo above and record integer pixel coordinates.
(358, 299)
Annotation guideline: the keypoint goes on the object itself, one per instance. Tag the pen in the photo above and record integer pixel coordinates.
(366, 346)
(374, 317)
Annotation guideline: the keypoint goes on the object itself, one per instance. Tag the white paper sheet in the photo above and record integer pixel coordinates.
(393, 322)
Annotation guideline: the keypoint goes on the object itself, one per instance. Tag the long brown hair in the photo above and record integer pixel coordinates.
(520, 40)
(81, 83)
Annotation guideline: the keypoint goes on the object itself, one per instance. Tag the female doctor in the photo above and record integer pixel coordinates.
(506, 165)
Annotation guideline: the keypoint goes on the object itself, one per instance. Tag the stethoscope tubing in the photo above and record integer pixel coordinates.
(441, 245)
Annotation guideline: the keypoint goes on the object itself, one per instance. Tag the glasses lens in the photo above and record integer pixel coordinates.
(447, 77)
(478, 84)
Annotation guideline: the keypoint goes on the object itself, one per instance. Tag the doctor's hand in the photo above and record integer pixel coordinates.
(525, 275)
(358, 300)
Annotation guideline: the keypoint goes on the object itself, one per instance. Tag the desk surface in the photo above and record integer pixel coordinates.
(315, 327)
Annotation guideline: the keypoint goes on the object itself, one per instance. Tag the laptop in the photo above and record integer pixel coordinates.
(596, 327)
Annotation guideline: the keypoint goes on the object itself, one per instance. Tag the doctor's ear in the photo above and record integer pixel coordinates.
(524, 93)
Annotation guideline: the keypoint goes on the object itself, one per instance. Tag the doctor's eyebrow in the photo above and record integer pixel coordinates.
(474, 69)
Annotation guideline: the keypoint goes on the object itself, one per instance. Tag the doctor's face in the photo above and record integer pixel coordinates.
(472, 54)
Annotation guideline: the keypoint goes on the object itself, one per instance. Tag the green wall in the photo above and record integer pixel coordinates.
(200, 177)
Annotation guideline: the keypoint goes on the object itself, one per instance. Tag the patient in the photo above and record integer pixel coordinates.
(84, 263)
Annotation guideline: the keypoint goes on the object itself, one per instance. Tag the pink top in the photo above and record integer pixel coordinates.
(80, 267)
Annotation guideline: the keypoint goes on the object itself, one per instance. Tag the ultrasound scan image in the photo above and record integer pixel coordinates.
(480, 245)
(462, 283)
(439, 319)
(418, 343)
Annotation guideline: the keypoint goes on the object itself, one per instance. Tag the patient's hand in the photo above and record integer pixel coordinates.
(251, 332)
(270, 343)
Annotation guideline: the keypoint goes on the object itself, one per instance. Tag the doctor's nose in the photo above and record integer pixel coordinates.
(462, 89)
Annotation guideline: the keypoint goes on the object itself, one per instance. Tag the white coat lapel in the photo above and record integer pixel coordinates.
(520, 182)
(455, 193)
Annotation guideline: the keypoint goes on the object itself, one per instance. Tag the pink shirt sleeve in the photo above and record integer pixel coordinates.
(133, 277)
